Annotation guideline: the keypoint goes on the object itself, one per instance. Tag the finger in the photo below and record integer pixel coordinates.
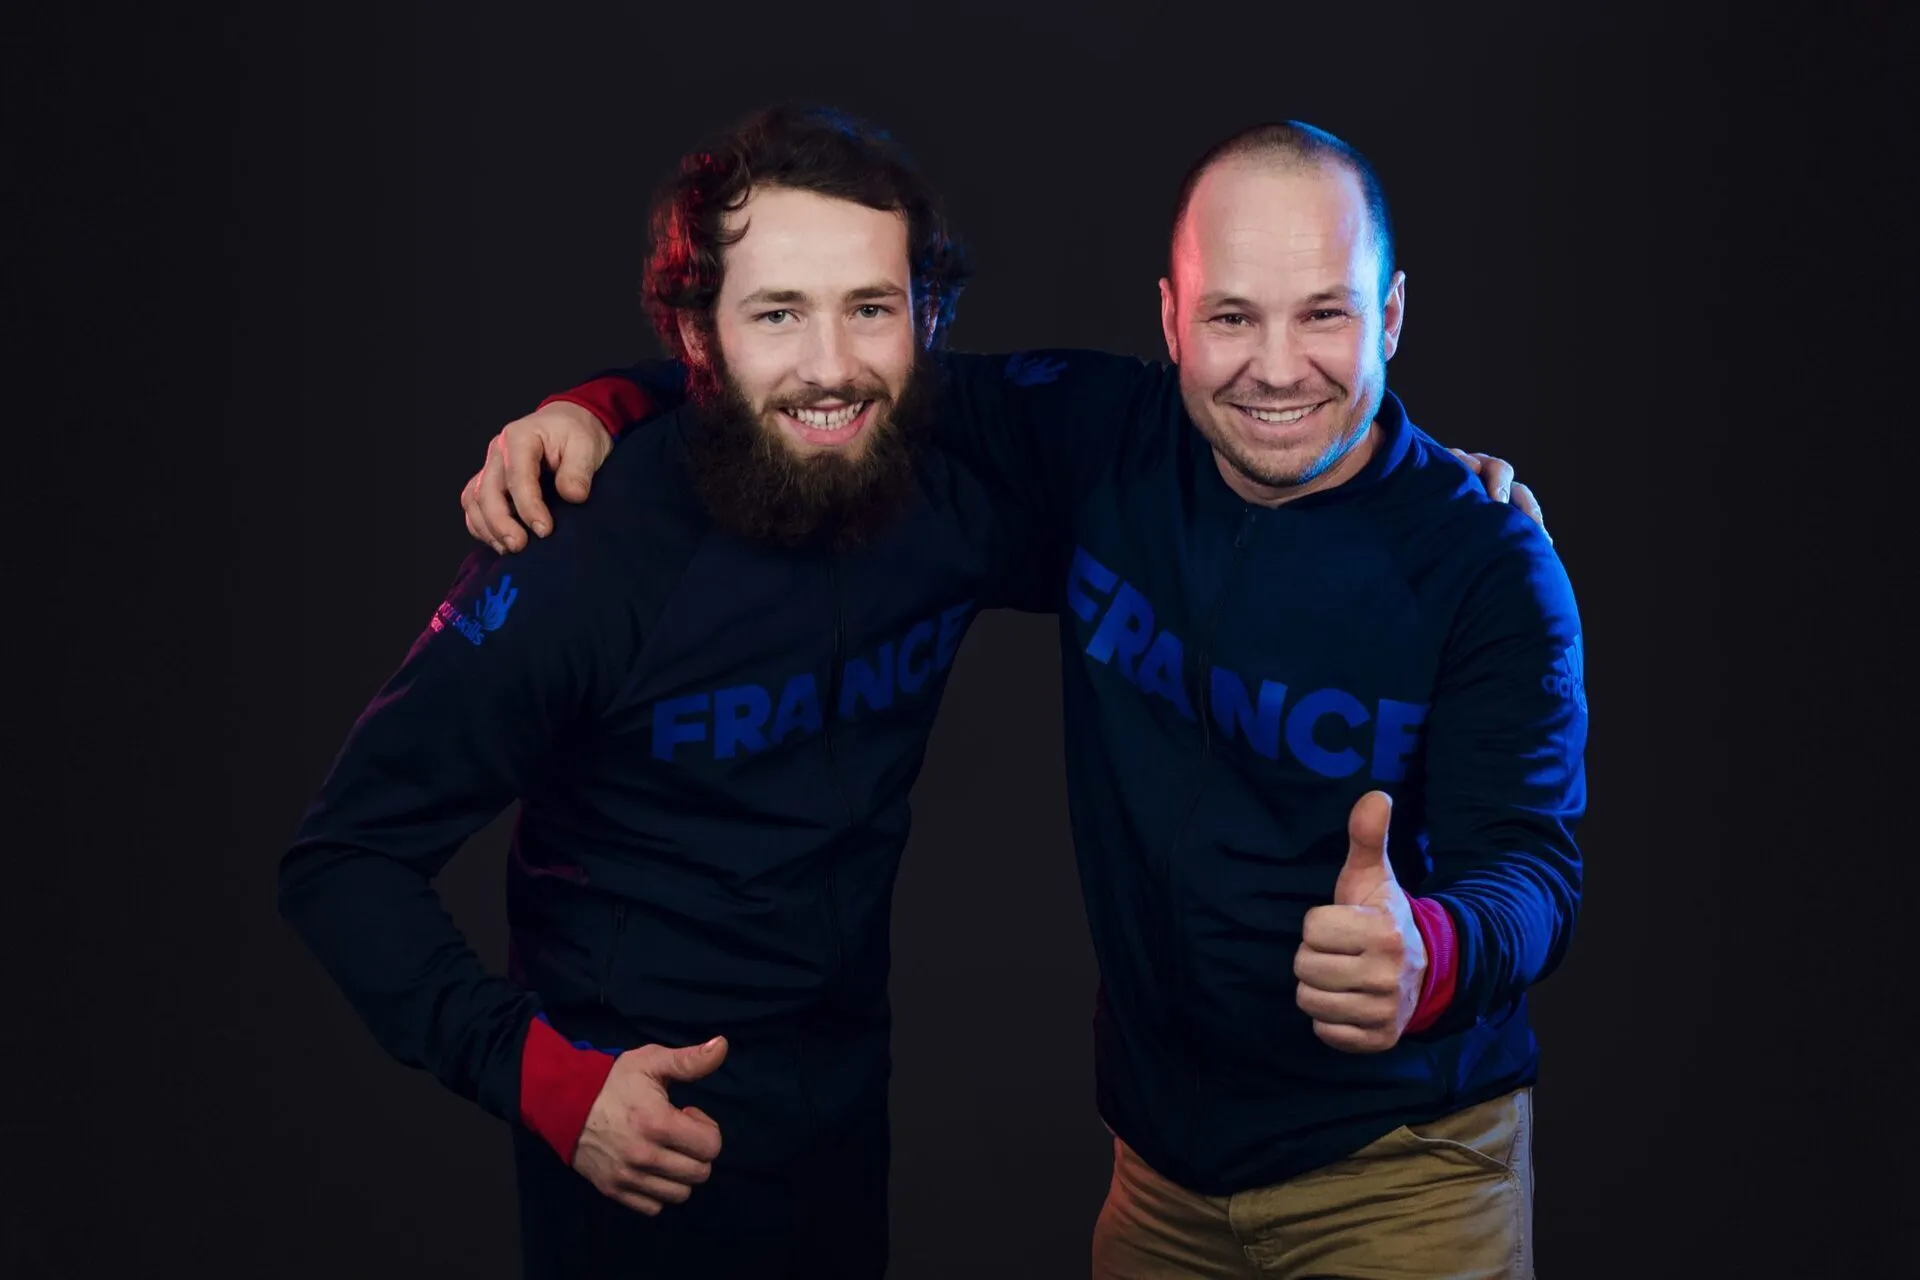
(672, 1165)
(1472, 460)
(476, 517)
(1367, 824)
(1497, 476)
(495, 513)
(664, 1190)
(690, 1063)
(1348, 1039)
(525, 452)
(1523, 498)
(695, 1138)
(469, 512)
(1336, 973)
(1343, 931)
(636, 1202)
(1344, 1008)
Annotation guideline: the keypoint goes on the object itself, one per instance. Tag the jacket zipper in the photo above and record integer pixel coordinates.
(613, 949)
(827, 714)
(1203, 707)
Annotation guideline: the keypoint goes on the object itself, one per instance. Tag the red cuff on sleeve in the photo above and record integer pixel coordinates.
(1443, 963)
(617, 402)
(558, 1085)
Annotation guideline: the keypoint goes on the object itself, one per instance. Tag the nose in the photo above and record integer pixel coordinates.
(1281, 358)
(827, 358)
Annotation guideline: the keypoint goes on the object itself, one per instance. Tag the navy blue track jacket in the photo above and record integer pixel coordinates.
(713, 742)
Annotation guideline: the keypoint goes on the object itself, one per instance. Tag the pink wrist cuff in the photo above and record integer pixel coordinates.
(558, 1086)
(1443, 962)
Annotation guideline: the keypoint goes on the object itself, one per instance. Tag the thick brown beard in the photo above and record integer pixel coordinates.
(755, 486)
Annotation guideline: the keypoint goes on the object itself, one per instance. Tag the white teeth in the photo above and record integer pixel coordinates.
(1282, 415)
(820, 420)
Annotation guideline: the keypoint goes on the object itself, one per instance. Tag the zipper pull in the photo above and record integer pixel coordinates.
(1246, 529)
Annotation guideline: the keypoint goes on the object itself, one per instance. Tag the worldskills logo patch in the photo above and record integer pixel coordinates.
(489, 613)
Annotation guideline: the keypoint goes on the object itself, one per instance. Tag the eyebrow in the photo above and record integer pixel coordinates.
(1345, 295)
(783, 297)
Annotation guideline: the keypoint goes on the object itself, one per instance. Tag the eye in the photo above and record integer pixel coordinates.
(872, 311)
(775, 318)
(1324, 315)
(1232, 320)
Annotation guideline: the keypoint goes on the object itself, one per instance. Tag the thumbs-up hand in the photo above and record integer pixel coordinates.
(1361, 960)
(640, 1149)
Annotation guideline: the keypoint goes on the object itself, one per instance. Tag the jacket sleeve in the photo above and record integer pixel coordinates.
(1041, 426)
(513, 664)
(1506, 782)
(621, 397)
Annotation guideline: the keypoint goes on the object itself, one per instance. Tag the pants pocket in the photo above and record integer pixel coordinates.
(1492, 1135)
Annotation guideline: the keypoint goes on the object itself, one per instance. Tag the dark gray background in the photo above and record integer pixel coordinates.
(306, 261)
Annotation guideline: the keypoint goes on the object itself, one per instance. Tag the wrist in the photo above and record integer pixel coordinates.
(559, 1083)
(612, 402)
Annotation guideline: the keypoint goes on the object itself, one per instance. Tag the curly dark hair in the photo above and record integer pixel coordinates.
(801, 148)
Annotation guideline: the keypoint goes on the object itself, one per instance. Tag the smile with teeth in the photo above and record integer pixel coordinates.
(827, 419)
(1278, 416)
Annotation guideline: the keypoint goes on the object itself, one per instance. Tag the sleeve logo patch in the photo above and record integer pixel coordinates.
(1568, 678)
(489, 613)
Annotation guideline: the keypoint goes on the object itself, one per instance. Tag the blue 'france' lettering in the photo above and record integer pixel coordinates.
(668, 732)
(912, 677)
(799, 708)
(1307, 713)
(1235, 712)
(1394, 738)
(872, 681)
(738, 714)
(1125, 630)
(1161, 670)
(1123, 637)
(1086, 571)
(953, 628)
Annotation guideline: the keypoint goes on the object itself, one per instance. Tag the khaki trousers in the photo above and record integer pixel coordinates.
(1450, 1200)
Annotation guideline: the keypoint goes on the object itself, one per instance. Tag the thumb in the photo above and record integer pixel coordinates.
(1367, 867)
(694, 1061)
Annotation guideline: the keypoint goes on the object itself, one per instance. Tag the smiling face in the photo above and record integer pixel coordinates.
(809, 385)
(814, 319)
(1274, 313)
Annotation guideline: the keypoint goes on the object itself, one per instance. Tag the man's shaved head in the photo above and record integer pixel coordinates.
(1294, 144)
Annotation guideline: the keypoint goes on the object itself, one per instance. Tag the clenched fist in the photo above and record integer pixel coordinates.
(640, 1149)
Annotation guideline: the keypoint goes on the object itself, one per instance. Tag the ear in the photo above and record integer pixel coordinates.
(1393, 313)
(692, 338)
(929, 312)
(1169, 320)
